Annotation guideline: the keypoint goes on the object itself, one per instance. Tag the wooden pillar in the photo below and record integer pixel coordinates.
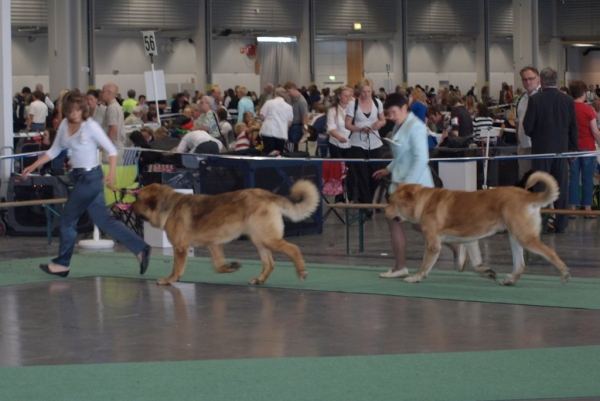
(354, 61)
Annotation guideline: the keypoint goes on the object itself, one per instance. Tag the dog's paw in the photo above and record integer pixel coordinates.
(230, 268)
(508, 280)
(302, 276)
(163, 281)
(256, 281)
(489, 273)
(413, 279)
(565, 278)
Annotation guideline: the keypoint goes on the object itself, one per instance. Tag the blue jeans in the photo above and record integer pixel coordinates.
(295, 134)
(584, 167)
(88, 194)
(37, 127)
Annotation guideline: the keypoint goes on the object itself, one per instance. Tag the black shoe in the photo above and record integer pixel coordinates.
(46, 269)
(145, 260)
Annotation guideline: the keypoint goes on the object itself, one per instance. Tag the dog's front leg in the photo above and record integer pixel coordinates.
(477, 261)
(180, 254)
(218, 258)
(518, 262)
(433, 246)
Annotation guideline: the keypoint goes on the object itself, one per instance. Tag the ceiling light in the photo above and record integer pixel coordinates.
(277, 39)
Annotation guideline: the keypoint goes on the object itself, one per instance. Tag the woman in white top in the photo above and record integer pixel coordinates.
(339, 142)
(82, 136)
(364, 117)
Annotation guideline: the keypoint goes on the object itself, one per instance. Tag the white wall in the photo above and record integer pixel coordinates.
(30, 63)
(585, 68)
(125, 55)
(430, 62)
(376, 55)
(230, 67)
(501, 67)
(330, 59)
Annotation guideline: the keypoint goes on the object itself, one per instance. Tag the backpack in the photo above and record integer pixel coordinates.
(319, 127)
(19, 120)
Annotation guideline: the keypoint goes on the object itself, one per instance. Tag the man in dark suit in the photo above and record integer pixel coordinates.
(551, 124)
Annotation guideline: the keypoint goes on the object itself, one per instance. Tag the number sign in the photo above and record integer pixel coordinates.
(150, 43)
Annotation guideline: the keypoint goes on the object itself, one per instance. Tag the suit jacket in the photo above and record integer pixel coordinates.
(550, 122)
(410, 147)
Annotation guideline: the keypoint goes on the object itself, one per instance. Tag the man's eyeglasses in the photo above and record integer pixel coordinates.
(528, 79)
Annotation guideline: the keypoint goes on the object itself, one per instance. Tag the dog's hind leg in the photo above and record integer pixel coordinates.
(292, 251)
(180, 254)
(535, 245)
(518, 262)
(477, 261)
(266, 257)
(218, 259)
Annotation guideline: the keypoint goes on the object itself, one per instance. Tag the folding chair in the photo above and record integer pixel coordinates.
(334, 175)
(131, 156)
(121, 199)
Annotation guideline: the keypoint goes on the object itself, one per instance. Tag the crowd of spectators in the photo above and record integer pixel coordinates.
(347, 122)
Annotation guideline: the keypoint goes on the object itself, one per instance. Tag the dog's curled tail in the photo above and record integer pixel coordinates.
(550, 193)
(304, 201)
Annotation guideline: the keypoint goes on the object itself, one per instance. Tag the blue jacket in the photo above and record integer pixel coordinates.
(411, 154)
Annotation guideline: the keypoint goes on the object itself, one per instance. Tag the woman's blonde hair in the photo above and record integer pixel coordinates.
(364, 81)
(418, 95)
(511, 113)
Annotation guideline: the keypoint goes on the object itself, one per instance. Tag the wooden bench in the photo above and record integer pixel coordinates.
(48, 206)
(356, 213)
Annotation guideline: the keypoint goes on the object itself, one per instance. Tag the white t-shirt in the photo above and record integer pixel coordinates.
(277, 115)
(370, 141)
(337, 123)
(225, 128)
(192, 139)
(39, 110)
(83, 145)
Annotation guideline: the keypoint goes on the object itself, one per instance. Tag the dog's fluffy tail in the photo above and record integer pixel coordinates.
(550, 193)
(304, 201)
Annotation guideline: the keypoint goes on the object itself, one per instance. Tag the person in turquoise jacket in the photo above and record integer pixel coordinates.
(410, 149)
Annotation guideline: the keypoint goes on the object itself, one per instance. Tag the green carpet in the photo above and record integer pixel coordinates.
(490, 375)
(468, 286)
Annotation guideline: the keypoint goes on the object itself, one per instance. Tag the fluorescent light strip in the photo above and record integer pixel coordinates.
(278, 39)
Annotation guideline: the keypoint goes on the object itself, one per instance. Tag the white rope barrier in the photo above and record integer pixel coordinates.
(566, 155)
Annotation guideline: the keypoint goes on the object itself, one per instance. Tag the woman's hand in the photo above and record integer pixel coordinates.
(341, 139)
(109, 180)
(26, 171)
(379, 174)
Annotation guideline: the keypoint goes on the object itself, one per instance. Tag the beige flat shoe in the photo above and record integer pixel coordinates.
(395, 273)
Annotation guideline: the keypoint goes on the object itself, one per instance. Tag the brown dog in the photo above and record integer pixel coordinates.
(465, 217)
(214, 220)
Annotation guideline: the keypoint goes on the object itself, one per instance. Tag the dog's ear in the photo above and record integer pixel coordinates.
(151, 202)
(406, 193)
